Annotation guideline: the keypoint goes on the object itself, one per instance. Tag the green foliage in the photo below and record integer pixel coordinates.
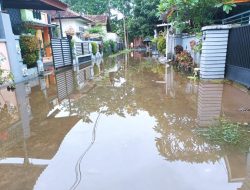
(112, 45)
(227, 133)
(100, 6)
(29, 49)
(89, 6)
(184, 61)
(106, 48)
(94, 48)
(161, 44)
(143, 19)
(193, 14)
(96, 30)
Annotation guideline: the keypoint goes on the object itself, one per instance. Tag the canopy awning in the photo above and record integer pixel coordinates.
(35, 4)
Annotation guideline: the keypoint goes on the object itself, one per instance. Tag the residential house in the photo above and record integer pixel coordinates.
(36, 22)
(102, 21)
(35, 19)
(72, 21)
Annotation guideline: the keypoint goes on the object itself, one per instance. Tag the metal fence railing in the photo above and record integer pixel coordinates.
(62, 53)
(82, 48)
(242, 19)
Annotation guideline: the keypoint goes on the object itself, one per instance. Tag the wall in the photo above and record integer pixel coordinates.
(3, 52)
(184, 41)
(72, 23)
(27, 15)
(13, 49)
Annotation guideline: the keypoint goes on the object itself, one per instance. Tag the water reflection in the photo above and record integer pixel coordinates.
(209, 103)
(146, 108)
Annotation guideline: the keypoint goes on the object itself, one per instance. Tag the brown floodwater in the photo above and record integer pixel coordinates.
(123, 123)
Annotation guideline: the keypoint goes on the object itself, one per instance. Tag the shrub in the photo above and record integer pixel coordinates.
(106, 47)
(96, 30)
(161, 44)
(29, 49)
(185, 61)
(94, 48)
(178, 49)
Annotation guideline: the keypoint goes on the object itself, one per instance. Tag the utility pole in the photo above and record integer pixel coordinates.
(124, 22)
(125, 33)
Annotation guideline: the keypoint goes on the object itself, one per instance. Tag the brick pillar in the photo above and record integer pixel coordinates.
(214, 51)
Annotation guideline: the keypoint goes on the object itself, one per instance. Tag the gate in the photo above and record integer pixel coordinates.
(62, 53)
(238, 55)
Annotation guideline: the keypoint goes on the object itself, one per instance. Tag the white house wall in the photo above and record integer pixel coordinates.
(72, 23)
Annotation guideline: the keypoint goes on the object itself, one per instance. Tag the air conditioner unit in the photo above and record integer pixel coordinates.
(25, 72)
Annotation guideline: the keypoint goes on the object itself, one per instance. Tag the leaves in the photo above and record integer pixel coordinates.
(29, 49)
(195, 12)
(227, 133)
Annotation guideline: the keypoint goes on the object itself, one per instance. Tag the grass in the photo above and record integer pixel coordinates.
(120, 52)
(228, 134)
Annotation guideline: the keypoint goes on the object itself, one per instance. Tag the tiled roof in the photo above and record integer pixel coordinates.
(98, 19)
(68, 14)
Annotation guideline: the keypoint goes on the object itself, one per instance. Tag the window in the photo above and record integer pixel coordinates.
(37, 14)
(81, 29)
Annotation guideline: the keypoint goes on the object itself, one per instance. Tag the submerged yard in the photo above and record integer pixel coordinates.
(123, 123)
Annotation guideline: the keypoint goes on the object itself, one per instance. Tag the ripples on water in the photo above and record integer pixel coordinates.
(144, 138)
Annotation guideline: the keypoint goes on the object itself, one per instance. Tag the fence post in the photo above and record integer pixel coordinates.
(70, 48)
(82, 48)
(214, 51)
(62, 51)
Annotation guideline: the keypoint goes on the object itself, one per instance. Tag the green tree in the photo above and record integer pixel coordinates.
(193, 13)
(144, 18)
(89, 6)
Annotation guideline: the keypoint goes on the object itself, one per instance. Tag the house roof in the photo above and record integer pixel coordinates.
(99, 19)
(35, 4)
(69, 14)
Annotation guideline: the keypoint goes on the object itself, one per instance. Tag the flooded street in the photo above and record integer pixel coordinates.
(123, 123)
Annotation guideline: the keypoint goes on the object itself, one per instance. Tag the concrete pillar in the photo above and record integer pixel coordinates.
(16, 63)
(214, 51)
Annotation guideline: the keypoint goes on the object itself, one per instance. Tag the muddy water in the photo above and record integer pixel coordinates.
(126, 123)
